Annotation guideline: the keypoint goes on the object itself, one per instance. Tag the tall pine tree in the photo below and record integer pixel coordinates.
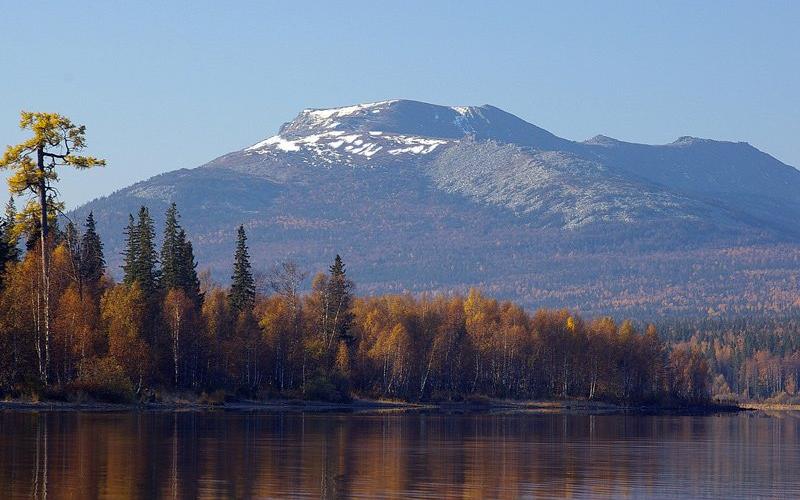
(140, 262)
(178, 266)
(131, 252)
(148, 273)
(93, 263)
(340, 300)
(10, 237)
(5, 251)
(189, 281)
(170, 250)
(243, 289)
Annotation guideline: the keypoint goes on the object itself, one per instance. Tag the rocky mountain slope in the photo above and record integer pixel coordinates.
(421, 197)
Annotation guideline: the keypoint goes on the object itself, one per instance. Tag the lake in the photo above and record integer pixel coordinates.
(213, 454)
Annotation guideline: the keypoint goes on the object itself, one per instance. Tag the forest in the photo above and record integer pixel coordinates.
(751, 358)
(69, 331)
(165, 329)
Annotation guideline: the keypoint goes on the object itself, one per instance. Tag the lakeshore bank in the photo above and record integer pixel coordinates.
(369, 405)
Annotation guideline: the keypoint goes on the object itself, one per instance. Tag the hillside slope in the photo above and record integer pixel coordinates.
(419, 197)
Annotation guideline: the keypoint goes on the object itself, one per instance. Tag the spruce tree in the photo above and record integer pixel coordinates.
(140, 259)
(189, 281)
(93, 263)
(32, 236)
(5, 251)
(9, 236)
(170, 250)
(339, 291)
(337, 269)
(178, 266)
(147, 272)
(131, 252)
(9, 244)
(243, 290)
(340, 300)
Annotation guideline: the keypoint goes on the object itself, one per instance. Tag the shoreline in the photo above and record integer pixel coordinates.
(578, 407)
(771, 406)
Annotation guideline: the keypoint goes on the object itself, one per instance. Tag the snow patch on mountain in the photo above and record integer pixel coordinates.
(326, 117)
(495, 158)
(336, 147)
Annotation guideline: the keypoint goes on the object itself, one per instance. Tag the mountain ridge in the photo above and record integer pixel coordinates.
(403, 177)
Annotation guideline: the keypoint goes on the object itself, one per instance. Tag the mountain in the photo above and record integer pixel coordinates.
(420, 197)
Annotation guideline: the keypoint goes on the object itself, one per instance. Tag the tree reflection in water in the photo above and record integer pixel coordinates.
(333, 455)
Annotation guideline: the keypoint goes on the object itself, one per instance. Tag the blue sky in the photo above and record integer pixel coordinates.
(167, 85)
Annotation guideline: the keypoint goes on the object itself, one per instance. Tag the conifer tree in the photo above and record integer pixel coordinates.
(147, 272)
(129, 255)
(339, 292)
(10, 237)
(170, 250)
(5, 251)
(178, 266)
(243, 289)
(189, 281)
(36, 163)
(93, 263)
(140, 259)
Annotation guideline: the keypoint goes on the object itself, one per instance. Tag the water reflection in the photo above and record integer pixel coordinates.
(241, 455)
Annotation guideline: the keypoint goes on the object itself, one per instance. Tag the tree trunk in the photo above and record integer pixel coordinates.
(43, 233)
(175, 345)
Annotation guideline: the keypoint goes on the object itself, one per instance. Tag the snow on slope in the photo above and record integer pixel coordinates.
(338, 136)
(338, 146)
(326, 117)
(496, 159)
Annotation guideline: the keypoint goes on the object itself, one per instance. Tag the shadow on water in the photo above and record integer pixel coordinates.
(337, 455)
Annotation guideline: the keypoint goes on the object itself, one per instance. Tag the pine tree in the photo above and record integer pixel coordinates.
(337, 269)
(189, 281)
(339, 301)
(5, 251)
(147, 272)
(243, 290)
(129, 255)
(36, 163)
(170, 250)
(11, 238)
(178, 266)
(140, 260)
(93, 263)
(32, 235)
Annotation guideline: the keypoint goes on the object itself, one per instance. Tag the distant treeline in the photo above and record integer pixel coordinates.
(165, 329)
(751, 358)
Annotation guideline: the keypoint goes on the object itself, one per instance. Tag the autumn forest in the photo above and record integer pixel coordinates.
(69, 331)
(164, 328)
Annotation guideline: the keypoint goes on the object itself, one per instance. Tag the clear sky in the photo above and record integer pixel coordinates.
(167, 85)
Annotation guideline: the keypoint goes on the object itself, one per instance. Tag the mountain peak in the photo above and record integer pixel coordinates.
(326, 117)
(601, 140)
(398, 127)
(409, 175)
(399, 116)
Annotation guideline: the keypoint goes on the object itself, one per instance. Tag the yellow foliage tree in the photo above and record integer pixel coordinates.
(35, 164)
(123, 310)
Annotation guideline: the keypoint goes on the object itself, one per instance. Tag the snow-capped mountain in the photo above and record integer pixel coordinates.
(419, 196)
(373, 133)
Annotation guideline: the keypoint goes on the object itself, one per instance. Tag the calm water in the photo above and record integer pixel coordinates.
(241, 455)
